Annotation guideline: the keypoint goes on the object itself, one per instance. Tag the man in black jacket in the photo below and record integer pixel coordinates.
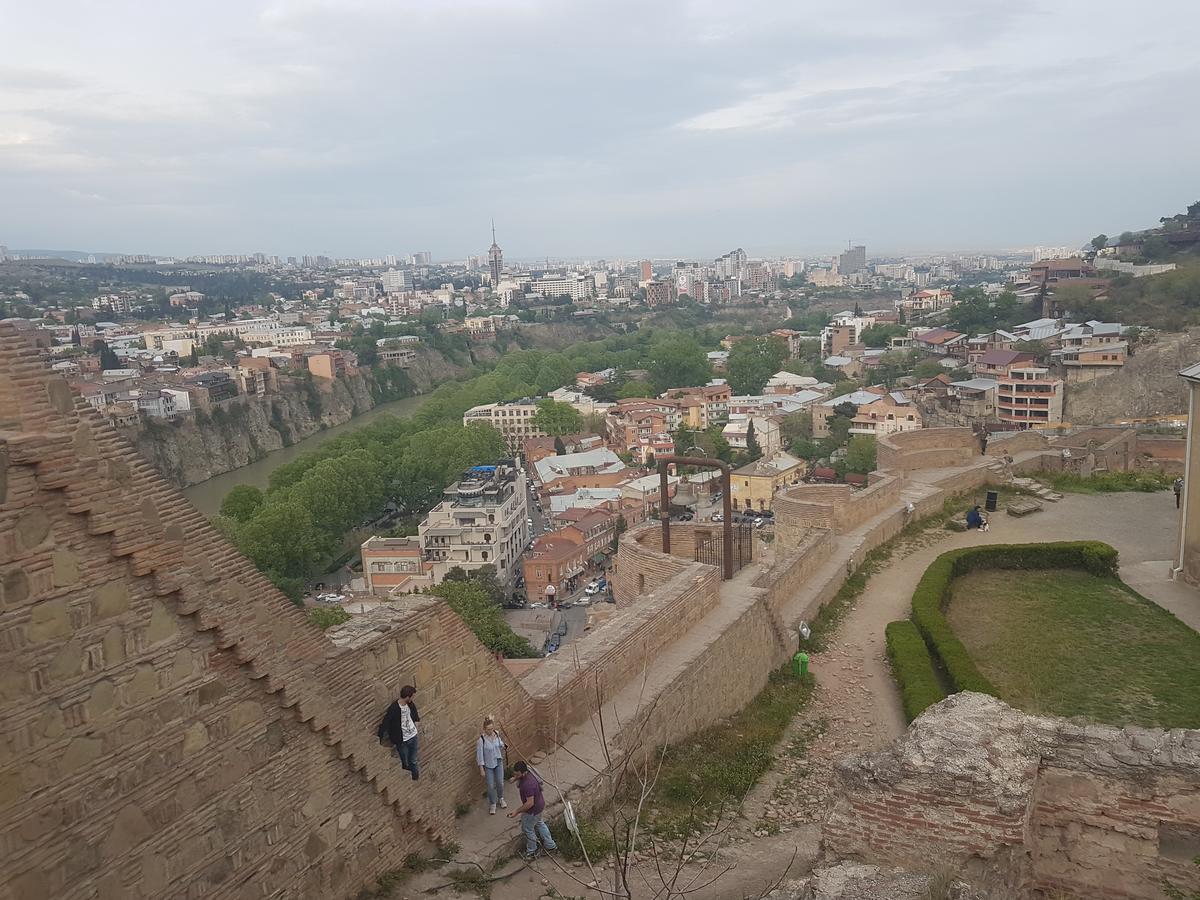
(399, 726)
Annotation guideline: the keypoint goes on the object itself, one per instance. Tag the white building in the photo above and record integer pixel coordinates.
(394, 281)
(480, 521)
(513, 420)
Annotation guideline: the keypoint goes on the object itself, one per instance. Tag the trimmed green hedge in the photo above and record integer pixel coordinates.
(933, 590)
(912, 667)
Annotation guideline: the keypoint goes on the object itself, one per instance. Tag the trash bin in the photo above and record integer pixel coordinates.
(993, 498)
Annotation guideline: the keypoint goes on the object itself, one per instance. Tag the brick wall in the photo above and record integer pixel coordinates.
(564, 688)
(421, 641)
(835, 507)
(1035, 803)
(1016, 442)
(640, 566)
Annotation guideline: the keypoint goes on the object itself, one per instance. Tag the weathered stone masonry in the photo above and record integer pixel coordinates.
(170, 724)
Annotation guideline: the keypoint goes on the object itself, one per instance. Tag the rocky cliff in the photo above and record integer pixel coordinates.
(1147, 386)
(195, 448)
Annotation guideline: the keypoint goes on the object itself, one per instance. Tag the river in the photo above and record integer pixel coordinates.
(207, 495)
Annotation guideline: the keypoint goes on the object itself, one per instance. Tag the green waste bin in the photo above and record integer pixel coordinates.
(800, 665)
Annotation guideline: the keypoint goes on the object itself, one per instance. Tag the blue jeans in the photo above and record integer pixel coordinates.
(495, 783)
(534, 828)
(408, 756)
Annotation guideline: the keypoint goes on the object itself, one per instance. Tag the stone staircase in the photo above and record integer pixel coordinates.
(1029, 485)
(216, 590)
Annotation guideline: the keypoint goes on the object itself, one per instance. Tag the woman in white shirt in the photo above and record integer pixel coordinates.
(489, 755)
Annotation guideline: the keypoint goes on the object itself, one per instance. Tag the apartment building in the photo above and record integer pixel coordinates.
(920, 302)
(766, 433)
(1091, 350)
(700, 407)
(1029, 396)
(556, 560)
(843, 330)
(480, 521)
(939, 341)
(995, 363)
(513, 420)
(893, 412)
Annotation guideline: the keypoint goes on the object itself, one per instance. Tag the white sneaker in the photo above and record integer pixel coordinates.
(503, 803)
(492, 809)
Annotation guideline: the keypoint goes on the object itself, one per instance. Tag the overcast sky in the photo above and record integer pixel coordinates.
(592, 128)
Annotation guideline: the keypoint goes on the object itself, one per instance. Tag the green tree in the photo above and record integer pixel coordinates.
(795, 427)
(1099, 242)
(631, 389)
(556, 418)
(242, 502)
(484, 618)
(806, 448)
(560, 449)
(753, 451)
(325, 617)
(753, 361)
(860, 454)
(108, 359)
(676, 360)
(881, 335)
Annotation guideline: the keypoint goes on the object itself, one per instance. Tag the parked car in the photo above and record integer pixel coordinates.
(766, 514)
(592, 588)
(759, 523)
(602, 583)
(717, 517)
(585, 600)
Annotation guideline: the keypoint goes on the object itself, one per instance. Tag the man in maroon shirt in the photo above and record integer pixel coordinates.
(530, 810)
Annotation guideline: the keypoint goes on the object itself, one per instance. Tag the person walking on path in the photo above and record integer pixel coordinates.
(530, 811)
(399, 726)
(1178, 487)
(489, 754)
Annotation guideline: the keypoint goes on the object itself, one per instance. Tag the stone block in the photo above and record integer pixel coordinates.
(48, 620)
(113, 646)
(143, 685)
(211, 692)
(68, 662)
(244, 715)
(80, 752)
(129, 829)
(32, 527)
(14, 588)
(195, 738)
(65, 567)
(110, 600)
(163, 625)
(102, 702)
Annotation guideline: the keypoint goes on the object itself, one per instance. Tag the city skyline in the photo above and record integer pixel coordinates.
(296, 128)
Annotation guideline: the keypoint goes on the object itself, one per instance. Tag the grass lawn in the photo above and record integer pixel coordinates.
(1065, 643)
(716, 767)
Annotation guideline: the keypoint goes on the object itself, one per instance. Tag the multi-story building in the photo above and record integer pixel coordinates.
(995, 363)
(210, 388)
(891, 413)
(853, 260)
(843, 330)
(1029, 396)
(731, 265)
(793, 339)
(577, 287)
(556, 560)
(754, 485)
(700, 407)
(480, 521)
(495, 258)
(926, 301)
(395, 281)
(645, 270)
(395, 564)
(329, 364)
(659, 293)
(513, 420)
(766, 432)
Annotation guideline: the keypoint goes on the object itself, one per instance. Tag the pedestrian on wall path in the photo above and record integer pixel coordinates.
(399, 726)
(1178, 488)
(489, 756)
(530, 810)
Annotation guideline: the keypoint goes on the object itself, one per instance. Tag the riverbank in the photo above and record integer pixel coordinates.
(207, 495)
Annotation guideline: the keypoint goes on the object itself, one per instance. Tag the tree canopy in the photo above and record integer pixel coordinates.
(978, 313)
(752, 361)
(676, 360)
(557, 419)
